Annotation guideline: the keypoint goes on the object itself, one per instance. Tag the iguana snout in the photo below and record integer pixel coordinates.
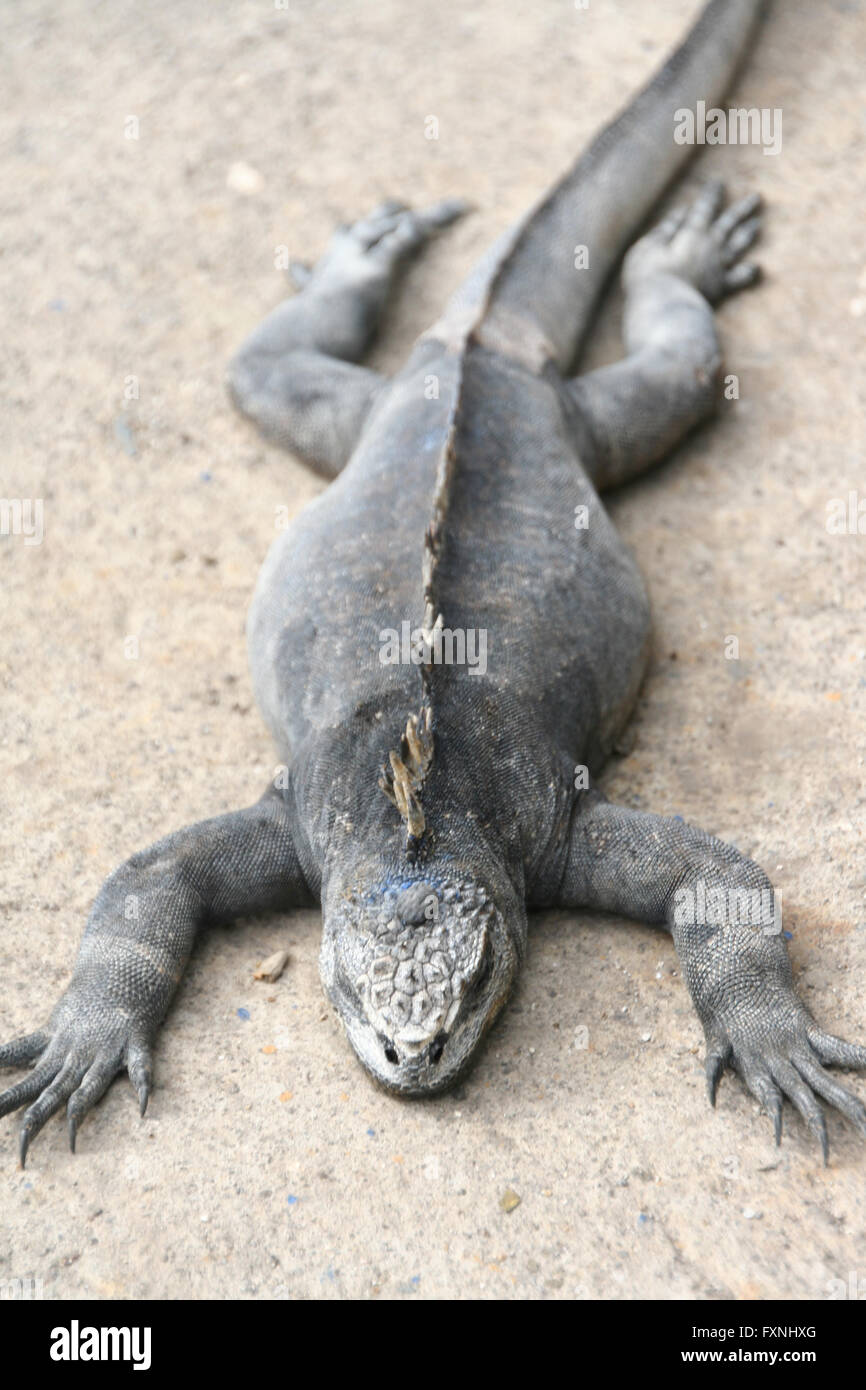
(417, 973)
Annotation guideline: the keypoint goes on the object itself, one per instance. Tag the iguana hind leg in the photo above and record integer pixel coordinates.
(626, 416)
(134, 951)
(296, 375)
(720, 909)
(544, 291)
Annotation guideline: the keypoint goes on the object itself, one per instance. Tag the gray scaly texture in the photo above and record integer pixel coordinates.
(429, 805)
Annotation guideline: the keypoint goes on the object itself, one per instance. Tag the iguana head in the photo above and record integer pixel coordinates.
(417, 970)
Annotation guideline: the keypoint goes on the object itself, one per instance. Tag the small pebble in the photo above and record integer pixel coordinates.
(509, 1200)
(243, 178)
(272, 968)
(124, 436)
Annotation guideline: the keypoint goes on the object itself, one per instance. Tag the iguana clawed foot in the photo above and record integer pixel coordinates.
(785, 1057)
(380, 241)
(75, 1063)
(702, 244)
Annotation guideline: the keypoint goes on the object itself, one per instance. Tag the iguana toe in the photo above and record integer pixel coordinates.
(94, 1084)
(831, 1090)
(835, 1051)
(718, 1056)
(47, 1104)
(796, 1089)
(141, 1074)
(21, 1050)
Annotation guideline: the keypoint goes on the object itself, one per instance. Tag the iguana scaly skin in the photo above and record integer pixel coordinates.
(428, 806)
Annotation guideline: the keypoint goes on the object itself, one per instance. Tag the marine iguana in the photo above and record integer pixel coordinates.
(428, 805)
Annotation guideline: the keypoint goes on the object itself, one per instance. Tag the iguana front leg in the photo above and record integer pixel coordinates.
(738, 972)
(626, 416)
(295, 376)
(134, 951)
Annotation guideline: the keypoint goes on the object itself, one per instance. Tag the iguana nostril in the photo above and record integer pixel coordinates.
(437, 1047)
(391, 1054)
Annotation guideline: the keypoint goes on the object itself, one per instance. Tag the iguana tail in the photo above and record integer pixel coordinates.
(538, 303)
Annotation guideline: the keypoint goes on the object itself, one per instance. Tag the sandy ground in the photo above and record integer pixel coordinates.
(268, 1164)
